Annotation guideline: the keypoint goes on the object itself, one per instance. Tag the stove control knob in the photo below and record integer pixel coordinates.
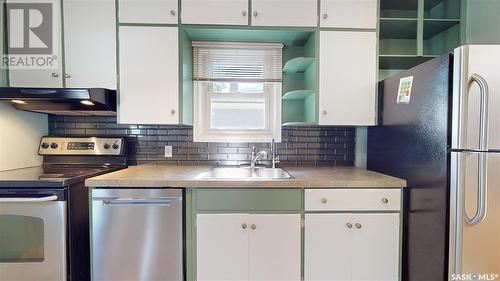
(45, 145)
(115, 146)
(53, 145)
(106, 146)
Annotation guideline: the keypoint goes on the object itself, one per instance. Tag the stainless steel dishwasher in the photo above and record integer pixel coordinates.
(137, 234)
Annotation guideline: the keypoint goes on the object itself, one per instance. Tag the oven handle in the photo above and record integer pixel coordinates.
(28, 199)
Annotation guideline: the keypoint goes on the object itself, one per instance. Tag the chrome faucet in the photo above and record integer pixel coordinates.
(257, 156)
(275, 158)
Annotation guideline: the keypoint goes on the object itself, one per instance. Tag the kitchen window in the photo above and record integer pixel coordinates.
(237, 92)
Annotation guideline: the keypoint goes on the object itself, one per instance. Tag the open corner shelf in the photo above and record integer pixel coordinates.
(297, 94)
(299, 64)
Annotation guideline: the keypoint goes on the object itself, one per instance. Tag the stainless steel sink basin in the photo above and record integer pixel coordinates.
(246, 173)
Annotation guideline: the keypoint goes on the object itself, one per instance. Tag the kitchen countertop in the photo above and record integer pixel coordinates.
(190, 177)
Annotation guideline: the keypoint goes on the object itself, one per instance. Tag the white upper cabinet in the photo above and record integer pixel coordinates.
(149, 75)
(348, 13)
(49, 73)
(284, 13)
(148, 11)
(230, 12)
(347, 78)
(90, 44)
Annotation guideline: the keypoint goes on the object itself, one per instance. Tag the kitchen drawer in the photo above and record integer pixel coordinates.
(355, 200)
(248, 199)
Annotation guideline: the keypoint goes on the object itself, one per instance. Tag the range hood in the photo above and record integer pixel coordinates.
(59, 101)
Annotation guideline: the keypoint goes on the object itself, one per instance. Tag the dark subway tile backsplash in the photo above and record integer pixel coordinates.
(300, 146)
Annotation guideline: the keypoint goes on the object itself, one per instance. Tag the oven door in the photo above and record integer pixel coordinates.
(32, 236)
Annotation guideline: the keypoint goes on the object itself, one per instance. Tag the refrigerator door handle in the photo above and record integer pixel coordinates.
(483, 146)
(482, 196)
(485, 94)
(483, 123)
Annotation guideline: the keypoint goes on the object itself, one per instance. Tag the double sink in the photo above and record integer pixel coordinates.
(246, 173)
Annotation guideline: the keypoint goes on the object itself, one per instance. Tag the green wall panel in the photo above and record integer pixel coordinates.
(483, 22)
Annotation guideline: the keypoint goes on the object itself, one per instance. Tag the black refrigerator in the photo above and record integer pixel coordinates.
(412, 143)
(439, 128)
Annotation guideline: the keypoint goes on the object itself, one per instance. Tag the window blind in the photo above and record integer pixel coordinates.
(224, 61)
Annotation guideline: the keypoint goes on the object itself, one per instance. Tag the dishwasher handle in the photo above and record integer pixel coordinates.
(131, 201)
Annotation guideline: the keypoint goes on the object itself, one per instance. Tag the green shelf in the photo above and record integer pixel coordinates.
(298, 94)
(414, 31)
(296, 124)
(398, 4)
(299, 64)
(442, 9)
(285, 36)
(402, 61)
(398, 28)
(433, 27)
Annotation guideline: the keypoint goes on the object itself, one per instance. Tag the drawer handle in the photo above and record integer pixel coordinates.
(324, 201)
(358, 225)
(244, 226)
(253, 226)
(349, 225)
(385, 200)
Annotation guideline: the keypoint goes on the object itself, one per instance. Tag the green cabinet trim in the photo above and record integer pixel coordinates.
(237, 200)
(253, 201)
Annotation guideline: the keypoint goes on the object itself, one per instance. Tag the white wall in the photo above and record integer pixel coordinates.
(20, 134)
(20, 131)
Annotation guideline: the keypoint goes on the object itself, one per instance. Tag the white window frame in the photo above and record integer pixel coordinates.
(202, 131)
(203, 93)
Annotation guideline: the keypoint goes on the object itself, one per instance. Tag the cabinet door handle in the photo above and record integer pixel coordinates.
(253, 226)
(349, 225)
(255, 14)
(325, 16)
(244, 226)
(172, 12)
(244, 13)
(324, 200)
(55, 75)
(172, 112)
(385, 200)
(67, 76)
(358, 225)
(324, 112)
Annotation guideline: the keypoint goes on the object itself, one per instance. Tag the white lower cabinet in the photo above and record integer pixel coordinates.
(352, 246)
(248, 247)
